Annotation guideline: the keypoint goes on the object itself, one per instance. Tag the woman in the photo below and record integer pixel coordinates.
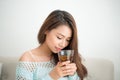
(58, 32)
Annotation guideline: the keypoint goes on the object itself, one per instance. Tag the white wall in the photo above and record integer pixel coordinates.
(98, 23)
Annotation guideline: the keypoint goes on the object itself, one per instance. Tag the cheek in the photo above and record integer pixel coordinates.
(51, 41)
(67, 43)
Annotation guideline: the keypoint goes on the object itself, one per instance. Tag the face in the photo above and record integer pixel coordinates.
(58, 38)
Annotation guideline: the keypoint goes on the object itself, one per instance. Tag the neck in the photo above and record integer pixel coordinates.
(44, 50)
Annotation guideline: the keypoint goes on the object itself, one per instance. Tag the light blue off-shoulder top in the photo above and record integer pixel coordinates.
(38, 71)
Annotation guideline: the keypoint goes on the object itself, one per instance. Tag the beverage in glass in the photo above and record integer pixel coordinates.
(66, 55)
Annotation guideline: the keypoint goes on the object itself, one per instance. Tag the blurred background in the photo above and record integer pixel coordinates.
(98, 23)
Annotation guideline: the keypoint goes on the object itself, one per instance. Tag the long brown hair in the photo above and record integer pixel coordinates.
(56, 18)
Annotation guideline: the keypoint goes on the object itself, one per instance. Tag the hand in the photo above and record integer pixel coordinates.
(69, 69)
(63, 69)
(57, 72)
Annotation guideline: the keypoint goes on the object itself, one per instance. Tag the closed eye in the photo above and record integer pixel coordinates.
(59, 37)
(68, 40)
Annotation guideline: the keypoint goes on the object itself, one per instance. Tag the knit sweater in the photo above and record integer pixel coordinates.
(38, 71)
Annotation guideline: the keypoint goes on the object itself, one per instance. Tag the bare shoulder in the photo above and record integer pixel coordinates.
(25, 57)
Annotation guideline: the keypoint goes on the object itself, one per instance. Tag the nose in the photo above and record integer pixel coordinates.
(62, 44)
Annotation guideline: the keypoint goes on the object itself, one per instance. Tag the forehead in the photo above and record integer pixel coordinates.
(64, 30)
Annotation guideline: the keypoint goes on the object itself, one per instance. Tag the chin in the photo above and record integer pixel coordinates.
(54, 51)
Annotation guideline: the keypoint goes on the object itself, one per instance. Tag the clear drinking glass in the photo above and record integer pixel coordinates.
(66, 55)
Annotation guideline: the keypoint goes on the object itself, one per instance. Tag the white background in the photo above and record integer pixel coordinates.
(98, 23)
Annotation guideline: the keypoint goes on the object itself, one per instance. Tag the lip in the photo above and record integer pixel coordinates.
(58, 49)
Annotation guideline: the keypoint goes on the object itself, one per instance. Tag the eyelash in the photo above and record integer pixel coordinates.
(68, 40)
(58, 37)
(61, 38)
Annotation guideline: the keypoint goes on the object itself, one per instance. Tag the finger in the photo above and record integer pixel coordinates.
(71, 72)
(65, 72)
(65, 67)
(72, 66)
(68, 69)
(69, 66)
(65, 63)
(59, 64)
(68, 72)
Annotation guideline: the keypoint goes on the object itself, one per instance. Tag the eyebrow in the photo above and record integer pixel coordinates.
(62, 35)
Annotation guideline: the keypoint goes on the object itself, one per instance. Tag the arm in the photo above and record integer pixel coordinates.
(26, 71)
(22, 73)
